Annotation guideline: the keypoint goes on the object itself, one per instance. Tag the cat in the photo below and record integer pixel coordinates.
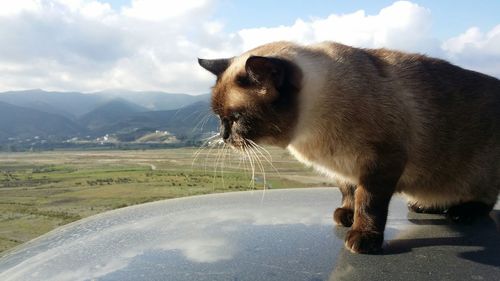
(378, 121)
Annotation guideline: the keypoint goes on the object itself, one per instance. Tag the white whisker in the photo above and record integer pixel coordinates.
(259, 163)
(245, 149)
(252, 148)
(203, 146)
(224, 150)
(268, 158)
(216, 165)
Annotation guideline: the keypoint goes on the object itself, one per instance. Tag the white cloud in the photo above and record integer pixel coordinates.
(154, 10)
(85, 45)
(456, 45)
(95, 9)
(10, 8)
(389, 28)
(476, 50)
(202, 249)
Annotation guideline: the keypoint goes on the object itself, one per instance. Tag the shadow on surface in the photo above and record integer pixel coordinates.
(483, 233)
(429, 246)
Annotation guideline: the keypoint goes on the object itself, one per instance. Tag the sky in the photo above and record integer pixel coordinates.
(152, 45)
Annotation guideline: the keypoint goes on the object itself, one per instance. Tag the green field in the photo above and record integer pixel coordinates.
(41, 191)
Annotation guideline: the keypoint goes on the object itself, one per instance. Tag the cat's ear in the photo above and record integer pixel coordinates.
(262, 69)
(216, 66)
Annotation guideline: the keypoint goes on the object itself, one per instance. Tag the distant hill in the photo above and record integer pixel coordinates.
(75, 105)
(20, 122)
(190, 120)
(110, 112)
(69, 104)
(154, 101)
(73, 119)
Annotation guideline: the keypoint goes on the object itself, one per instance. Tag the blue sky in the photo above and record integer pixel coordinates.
(90, 45)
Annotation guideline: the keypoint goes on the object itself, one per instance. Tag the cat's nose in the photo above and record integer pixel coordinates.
(225, 128)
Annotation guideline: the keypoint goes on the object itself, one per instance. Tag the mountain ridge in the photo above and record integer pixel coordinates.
(77, 104)
(108, 117)
(20, 122)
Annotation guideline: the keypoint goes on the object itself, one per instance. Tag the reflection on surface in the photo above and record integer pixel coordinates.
(202, 249)
(202, 231)
(287, 236)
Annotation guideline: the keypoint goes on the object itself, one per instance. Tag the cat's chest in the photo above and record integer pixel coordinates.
(339, 166)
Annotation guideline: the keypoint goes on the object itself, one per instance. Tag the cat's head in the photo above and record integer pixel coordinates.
(255, 98)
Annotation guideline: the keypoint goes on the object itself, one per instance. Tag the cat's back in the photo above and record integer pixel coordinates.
(455, 118)
(435, 79)
(463, 101)
(440, 93)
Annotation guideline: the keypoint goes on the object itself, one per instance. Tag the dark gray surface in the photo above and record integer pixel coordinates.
(279, 235)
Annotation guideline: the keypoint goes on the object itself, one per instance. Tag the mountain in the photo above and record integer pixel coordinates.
(68, 104)
(41, 119)
(19, 122)
(74, 105)
(187, 121)
(110, 112)
(154, 101)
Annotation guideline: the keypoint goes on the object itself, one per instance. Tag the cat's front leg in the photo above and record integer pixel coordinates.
(370, 215)
(371, 204)
(345, 214)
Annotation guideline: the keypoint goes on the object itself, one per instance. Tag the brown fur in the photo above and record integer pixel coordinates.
(379, 120)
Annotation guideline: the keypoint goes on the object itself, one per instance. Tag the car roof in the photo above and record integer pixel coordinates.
(283, 234)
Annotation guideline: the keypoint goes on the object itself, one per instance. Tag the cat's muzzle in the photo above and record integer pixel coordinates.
(225, 129)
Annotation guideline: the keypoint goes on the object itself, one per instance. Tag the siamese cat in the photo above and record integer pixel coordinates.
(376, 120)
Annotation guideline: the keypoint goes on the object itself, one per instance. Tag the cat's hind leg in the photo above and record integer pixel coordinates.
(345, 214)
(468, 212)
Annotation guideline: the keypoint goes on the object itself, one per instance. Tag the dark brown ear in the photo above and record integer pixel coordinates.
(217, 66)
(262, 69)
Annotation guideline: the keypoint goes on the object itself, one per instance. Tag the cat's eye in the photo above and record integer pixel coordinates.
(236, 115)
(242, 80)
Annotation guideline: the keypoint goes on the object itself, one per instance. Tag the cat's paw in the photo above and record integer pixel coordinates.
(418, 208)
(364, 242)
(343, 216)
